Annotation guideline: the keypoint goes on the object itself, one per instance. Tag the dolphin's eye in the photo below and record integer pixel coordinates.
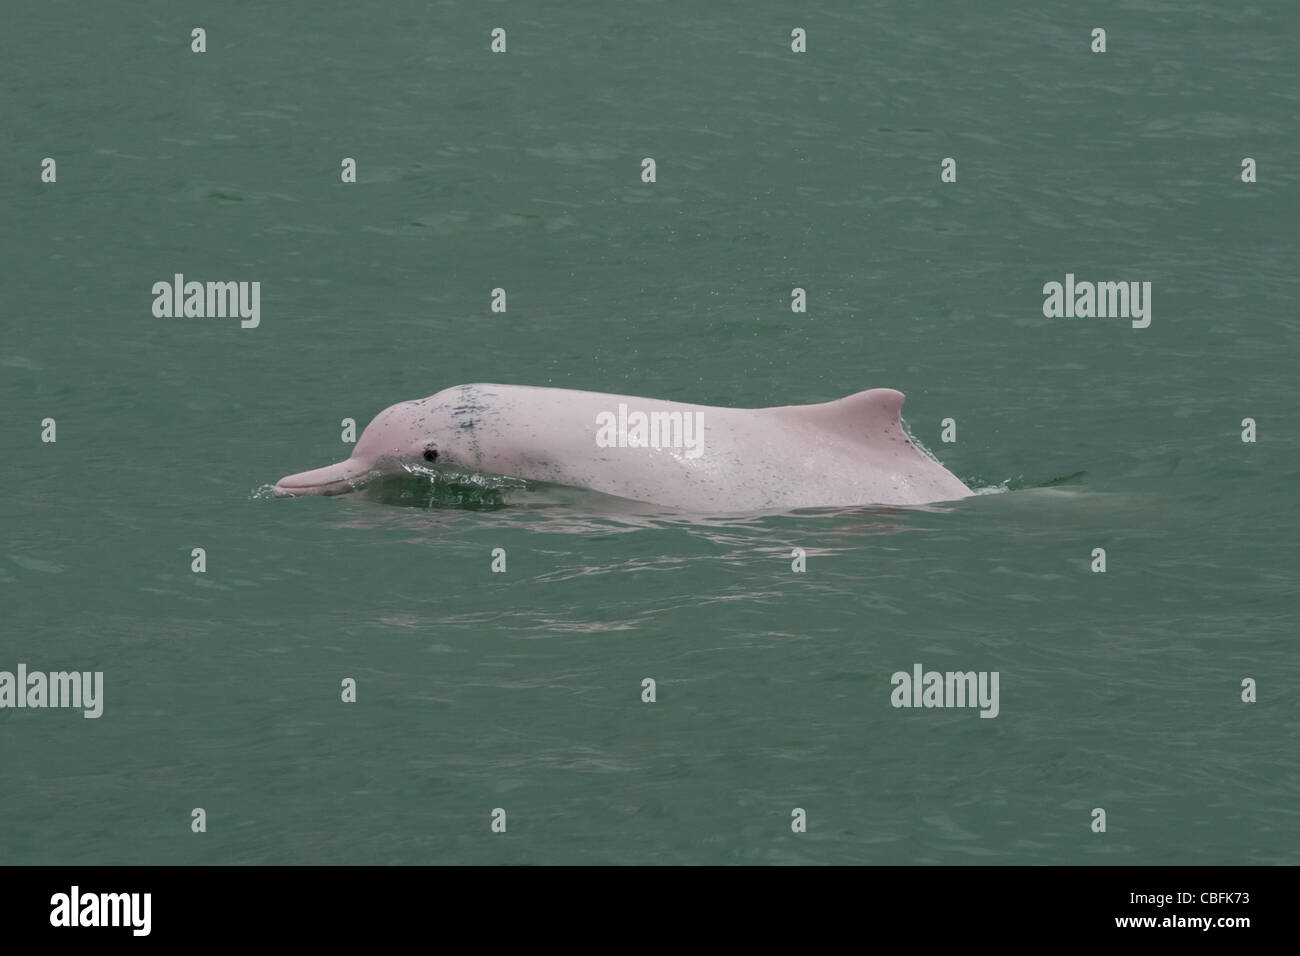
(431, 454)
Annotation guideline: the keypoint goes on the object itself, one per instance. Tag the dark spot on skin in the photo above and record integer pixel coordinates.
(466, 417)
(431, 454)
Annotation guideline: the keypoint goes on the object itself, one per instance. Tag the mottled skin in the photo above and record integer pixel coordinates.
(847, 452)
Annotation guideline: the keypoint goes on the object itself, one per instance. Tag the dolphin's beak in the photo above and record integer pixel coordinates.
(331, 480)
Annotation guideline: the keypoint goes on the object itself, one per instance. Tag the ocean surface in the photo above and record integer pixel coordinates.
(515, 698)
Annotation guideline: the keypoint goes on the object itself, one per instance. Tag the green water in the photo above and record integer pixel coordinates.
(522, 690)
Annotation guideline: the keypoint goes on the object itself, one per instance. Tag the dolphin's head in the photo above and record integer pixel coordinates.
(399, 435)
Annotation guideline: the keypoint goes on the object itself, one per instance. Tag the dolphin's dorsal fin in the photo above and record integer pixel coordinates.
(872, 414)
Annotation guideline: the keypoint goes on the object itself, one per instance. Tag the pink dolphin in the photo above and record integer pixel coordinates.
(696, 458)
